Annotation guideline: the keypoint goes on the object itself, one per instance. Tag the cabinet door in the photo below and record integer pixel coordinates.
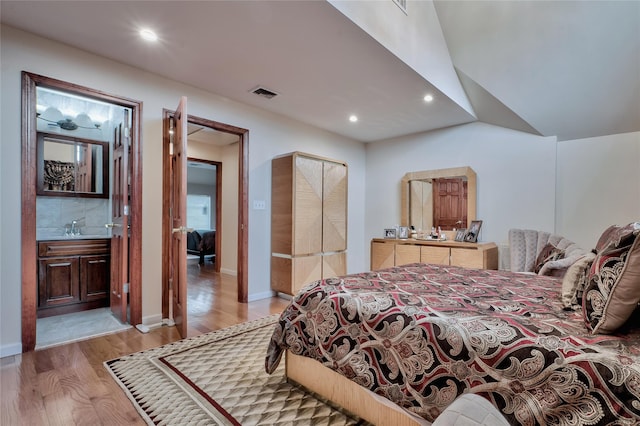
(406, 254)
(334, 265)
(282, 205)
(434, 255)
(59, 282)
(289, 275)
(307, 207)
(382, 255)
(94, 277)
(468, 258)
(334, 207)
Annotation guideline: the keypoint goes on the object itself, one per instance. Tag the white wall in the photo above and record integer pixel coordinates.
(598, 185)
(515, 175)
(270, 135)
(415, 37)
(573, 188)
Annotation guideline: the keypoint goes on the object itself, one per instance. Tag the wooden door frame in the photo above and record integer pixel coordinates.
(29, 262)
(218, 206)
(243, 202)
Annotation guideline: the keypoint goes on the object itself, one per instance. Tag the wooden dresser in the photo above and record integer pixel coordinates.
(393, 252)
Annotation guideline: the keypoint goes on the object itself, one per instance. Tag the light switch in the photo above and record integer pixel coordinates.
(259, 204)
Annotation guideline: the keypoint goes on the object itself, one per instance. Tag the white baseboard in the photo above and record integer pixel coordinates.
(10, 349)
(150, 322)
(260, 296)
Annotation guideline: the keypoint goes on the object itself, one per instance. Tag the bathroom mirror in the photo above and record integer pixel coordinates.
(72, 167)
(444, 197)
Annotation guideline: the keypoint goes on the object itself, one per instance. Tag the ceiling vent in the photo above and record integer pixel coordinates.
(265, 93)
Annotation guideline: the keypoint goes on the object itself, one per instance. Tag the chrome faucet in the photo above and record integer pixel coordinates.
(75, 229)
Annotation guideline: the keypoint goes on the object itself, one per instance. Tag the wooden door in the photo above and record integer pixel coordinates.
(120, 221)
(449, 203)
(178, 202)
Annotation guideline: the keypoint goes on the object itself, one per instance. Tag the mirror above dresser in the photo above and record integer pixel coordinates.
(443, 197)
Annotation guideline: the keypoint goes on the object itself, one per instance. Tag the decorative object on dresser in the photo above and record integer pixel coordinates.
(73, 275)
(471, 236)
(308, 220)
(388, 252)
(460, 233)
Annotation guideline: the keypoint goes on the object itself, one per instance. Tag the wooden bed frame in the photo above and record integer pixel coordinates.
(355, 399)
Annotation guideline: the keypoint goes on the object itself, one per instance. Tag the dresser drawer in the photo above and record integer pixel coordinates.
(74, 247)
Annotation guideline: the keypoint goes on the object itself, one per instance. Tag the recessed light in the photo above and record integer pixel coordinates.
(353, 118)
(148, 35)
(428, 98)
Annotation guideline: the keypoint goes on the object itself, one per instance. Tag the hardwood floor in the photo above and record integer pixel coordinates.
(68, 385)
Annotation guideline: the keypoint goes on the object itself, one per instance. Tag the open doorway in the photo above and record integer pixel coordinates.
(211, 143)
(204, 202)
(65, 268)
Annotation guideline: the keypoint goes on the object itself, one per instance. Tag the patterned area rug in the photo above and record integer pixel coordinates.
(218, 378)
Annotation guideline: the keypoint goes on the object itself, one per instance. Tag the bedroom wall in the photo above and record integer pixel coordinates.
(574, 188)
(598, 185)
(515, 175)
(270, 135)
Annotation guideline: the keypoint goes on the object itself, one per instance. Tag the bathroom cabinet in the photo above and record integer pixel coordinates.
(73, 275)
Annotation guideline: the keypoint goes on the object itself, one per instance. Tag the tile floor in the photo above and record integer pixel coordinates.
(68, 328)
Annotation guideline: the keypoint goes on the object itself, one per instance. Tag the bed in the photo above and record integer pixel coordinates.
(421, 335)
(202, 242)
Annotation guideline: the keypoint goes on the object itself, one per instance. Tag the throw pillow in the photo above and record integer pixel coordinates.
(574, 281)
(548, 253)
(612, 292)
(605, 238)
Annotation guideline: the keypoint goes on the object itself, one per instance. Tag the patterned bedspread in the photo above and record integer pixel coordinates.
(420, 335)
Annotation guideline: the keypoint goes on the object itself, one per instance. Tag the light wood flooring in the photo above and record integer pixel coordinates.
(68, 385)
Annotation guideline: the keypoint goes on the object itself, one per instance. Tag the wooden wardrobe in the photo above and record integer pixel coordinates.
(308, 220)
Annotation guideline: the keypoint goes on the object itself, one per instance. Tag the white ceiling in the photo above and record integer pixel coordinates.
(570, 69)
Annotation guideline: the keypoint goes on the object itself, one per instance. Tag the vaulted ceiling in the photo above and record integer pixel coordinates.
(555, 68)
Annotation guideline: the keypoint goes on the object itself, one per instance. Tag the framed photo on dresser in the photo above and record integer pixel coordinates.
(460, 233)
(472, 233)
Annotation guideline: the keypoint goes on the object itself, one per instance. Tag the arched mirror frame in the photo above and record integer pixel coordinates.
(455, 172)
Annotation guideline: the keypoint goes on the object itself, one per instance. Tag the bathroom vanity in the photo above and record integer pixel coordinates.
(73, 275)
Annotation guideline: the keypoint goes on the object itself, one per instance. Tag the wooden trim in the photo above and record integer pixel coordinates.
(28, 204)
(28, 243)
(166, 210)
(135, 218)
(243, 205)
(243, 218)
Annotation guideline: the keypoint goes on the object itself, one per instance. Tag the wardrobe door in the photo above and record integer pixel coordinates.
(334, 208)
(334, 264)
(307, 206)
